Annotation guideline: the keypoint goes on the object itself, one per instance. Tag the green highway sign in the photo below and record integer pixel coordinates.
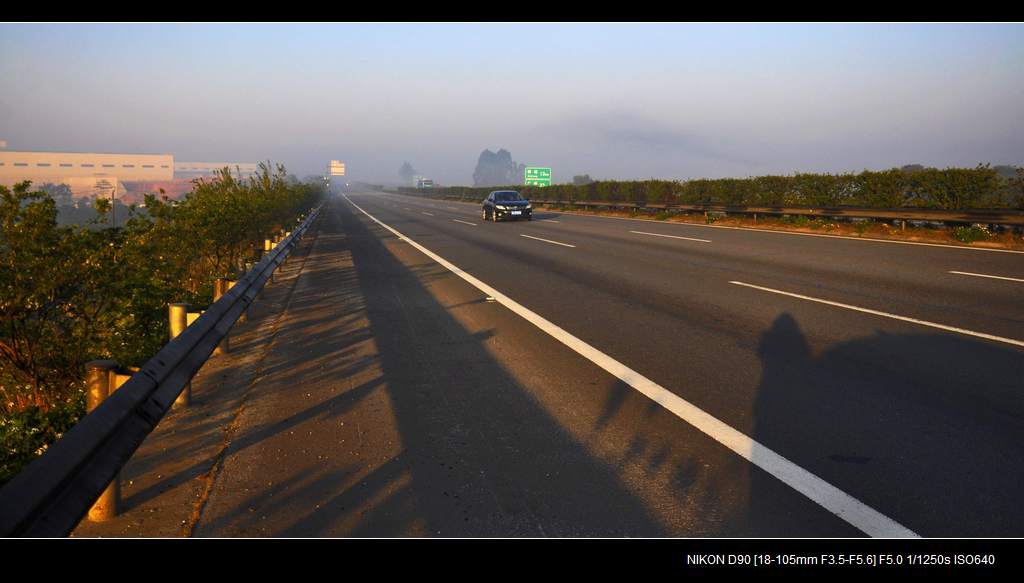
(538, 176)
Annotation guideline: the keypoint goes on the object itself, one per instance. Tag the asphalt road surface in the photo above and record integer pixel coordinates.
(630, 378)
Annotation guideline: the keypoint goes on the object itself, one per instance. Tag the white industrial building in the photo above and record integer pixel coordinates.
(194, 169)
(87, 174)
(94, 174)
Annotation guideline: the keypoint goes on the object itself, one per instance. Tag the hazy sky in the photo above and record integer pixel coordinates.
(611, 100)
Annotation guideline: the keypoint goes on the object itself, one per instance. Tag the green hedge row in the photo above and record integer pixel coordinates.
(950, 188)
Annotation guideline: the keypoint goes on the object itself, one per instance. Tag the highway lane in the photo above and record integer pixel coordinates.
(909, 280)
(901, 416)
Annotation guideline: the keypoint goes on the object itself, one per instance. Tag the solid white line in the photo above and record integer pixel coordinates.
(426, 213)
(671, 236)
(989, 276)
(548, 241)
(780, 232)
(833, 499)
(550, 221)
(464, 222)
(886, 315)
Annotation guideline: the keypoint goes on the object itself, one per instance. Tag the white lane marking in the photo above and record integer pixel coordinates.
(836, 501)
(671, 236)
(886, 315)
(407, 208)
(454, 208)
(550, 221)
(464, 222)
(548, 241)
(989, 276)
(426, 213)
(780, 232)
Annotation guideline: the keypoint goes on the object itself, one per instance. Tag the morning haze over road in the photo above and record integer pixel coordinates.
(771, 284)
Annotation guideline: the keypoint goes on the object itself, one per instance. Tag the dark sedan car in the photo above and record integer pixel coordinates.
(506, 204)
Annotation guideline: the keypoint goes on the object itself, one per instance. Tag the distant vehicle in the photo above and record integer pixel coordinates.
(506, 204)
(424, 183)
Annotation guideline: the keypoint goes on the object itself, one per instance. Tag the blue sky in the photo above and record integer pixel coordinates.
(611, 100)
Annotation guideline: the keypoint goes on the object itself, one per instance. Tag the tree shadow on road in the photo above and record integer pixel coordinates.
(479, 457)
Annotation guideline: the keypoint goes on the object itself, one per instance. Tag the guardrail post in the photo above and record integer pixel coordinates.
(249, 266)
(99, 375)
(178, 315)
(220, 287)
(242, 317)
(268, 246)
(288, 256)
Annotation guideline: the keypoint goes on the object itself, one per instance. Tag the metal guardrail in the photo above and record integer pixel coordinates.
(52, 494)
(1007, 217)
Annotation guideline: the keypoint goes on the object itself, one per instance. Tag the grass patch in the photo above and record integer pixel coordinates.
(26, 435)
(798, 221)
(861, 227)
(971, 234)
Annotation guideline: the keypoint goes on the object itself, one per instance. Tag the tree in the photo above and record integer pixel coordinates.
(497, 169)
(581, 180)
(1015, 187)
(44, 270)
(407, 173)
(60, 193)
(73, 294)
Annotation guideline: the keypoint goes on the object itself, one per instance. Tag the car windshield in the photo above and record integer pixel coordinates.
(507, 196)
